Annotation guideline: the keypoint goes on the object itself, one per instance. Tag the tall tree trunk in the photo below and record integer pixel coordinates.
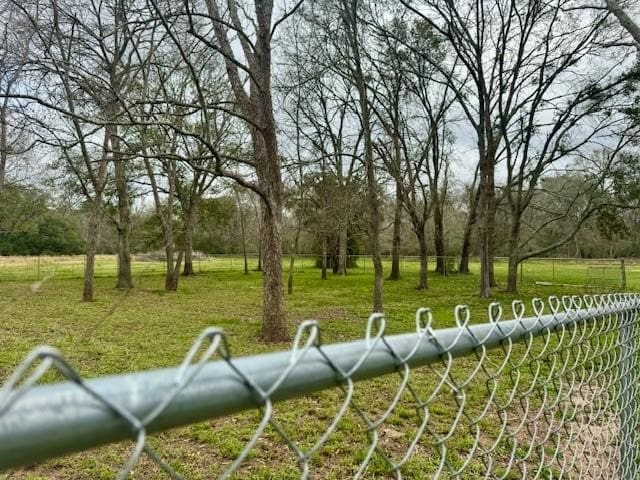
(244, 257)
(323, 264)
(125, 279)
(188, 252)
(493, 208)
(397, 224)
(422, 242)
(257, 105)
(290, 278)
(274, 325)
(259, 266)
(485, 266)
(169, 283)
(243, 234)
(176, 270)
(189, 226)
(342, 249)
(491, 229)
(351, 19)
(492, 275)
(374, 233)
(259, 221)
(4, 145)
(512, 275)
(514, 253)
(93, 235)
(166, 221)
(173, 269)
(334, 257)
(438, 238)
(465, 253)
(296, 246)
(463, 266)
(112, 110)
(486, 231)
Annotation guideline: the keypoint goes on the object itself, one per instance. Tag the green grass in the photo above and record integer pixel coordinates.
(147, 328)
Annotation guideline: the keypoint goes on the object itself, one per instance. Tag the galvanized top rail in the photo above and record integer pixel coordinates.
(39, 422)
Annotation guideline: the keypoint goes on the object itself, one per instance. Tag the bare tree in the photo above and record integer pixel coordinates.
(57, 55)
(178, 165)
(503, 47)
(298, 188)
(562, 113)
(192, 182)
(413, 103)
(472, 217)
(197, 173)
(567, 198)
(328, 109)
(436, 165)
(82, 69)
(242, 37)
(14, 51)
(388, 94)
(165, 210)
(351, 20)
(296, 166)
(469, 31)
(325, 113)
(118, 58)
(257, 105)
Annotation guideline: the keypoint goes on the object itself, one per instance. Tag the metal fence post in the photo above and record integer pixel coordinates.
(628, 396)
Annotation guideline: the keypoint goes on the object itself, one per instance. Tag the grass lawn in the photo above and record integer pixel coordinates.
(147, 328)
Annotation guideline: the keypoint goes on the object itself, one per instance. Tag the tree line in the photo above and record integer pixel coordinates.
(511, 122)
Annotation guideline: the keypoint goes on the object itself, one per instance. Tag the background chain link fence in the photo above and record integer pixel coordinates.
(604, 274)
(549, 393)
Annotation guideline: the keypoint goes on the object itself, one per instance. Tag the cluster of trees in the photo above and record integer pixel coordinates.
(334, 119)
(30, 224)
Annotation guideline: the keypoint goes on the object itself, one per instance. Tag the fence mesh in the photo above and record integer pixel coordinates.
(552, 394)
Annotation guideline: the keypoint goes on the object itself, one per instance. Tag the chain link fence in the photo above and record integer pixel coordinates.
(551, 392)
(610, 274)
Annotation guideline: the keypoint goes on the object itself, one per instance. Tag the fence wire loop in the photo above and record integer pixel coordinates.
(554, 394)
(424, 320)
